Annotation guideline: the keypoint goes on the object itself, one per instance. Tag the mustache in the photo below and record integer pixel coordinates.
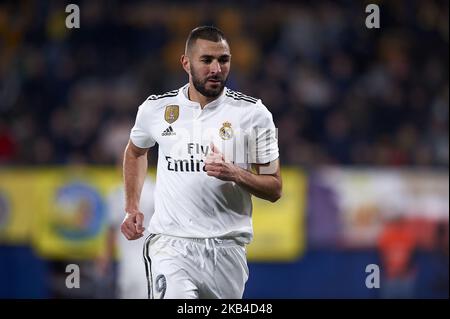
(215, 78)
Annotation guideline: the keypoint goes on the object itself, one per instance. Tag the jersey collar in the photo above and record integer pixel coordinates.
(183, 96)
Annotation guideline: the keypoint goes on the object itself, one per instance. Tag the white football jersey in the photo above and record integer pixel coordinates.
(188, 202)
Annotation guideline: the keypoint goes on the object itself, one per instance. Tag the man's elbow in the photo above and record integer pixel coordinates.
(276, 195)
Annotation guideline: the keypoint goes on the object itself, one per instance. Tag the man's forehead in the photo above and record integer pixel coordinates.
(206, 47)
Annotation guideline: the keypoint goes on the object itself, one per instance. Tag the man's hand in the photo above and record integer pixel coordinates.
(132, 227)
(216, 166)
(261, 184)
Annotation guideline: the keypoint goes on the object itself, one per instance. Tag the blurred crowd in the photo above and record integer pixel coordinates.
(340, 93)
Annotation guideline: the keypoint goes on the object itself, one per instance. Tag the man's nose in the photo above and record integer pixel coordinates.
(215, 67)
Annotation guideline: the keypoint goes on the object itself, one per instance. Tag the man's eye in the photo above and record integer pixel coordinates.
(207, 61)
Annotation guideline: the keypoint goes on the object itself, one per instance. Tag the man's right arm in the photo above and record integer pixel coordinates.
(134, 172)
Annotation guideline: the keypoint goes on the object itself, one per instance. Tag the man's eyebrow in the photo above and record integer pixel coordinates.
(208, 56)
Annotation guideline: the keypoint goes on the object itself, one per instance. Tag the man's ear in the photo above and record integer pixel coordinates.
(185, 63)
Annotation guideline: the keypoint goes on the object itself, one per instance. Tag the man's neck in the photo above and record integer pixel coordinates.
(196, 96)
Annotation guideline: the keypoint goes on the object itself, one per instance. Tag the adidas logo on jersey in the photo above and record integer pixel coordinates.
(168, 132)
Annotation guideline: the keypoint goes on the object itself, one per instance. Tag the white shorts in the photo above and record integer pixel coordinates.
(194, 268)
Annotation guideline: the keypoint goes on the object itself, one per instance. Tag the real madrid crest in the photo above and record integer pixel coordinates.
(226, 132)
(172, 113)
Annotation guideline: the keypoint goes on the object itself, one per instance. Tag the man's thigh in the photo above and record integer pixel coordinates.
(168, 272)
(229, 276)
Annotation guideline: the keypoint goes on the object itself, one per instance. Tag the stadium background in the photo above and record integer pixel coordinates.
(363, 133)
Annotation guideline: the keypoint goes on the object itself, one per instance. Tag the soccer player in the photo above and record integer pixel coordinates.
(130, 273)
(202, 219)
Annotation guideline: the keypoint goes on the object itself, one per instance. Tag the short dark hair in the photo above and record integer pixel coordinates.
(209, 33)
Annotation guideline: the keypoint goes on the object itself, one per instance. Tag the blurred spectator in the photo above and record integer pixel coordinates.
(397, 245)
(7, 144)
(441, 283)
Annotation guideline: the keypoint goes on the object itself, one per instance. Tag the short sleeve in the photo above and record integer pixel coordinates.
(263, 142)
(140, 133)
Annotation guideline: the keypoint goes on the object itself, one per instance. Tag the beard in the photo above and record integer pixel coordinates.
(200, 85)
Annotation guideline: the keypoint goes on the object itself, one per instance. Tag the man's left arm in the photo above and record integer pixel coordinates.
(264, 183)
